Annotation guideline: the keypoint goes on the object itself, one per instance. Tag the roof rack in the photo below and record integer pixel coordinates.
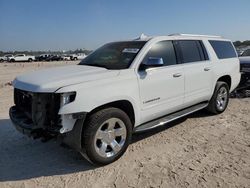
(193, 35)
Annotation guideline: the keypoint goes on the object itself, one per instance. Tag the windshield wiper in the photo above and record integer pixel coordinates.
(95, 65)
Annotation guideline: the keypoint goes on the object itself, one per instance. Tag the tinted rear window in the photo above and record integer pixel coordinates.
(223, 49)
(192, 51)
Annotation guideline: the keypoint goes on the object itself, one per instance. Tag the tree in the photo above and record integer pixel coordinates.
(237, 43)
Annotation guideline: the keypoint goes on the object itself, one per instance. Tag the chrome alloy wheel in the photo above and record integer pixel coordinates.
(222, 97)
(110, 137)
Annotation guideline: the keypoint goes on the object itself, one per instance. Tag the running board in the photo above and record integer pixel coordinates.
(171, 117)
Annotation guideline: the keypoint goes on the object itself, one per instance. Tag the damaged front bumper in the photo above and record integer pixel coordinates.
(37, 115)
(72, 138)
(21, 123)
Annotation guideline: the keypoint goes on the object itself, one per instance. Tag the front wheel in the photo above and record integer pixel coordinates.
(107, 135)
(220, 98)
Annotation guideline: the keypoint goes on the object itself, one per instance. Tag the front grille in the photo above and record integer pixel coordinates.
(23, 102)
(39, 109)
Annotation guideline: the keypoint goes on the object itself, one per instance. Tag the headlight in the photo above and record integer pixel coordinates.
(67, 98)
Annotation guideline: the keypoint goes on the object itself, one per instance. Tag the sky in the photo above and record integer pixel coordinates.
(71, 24)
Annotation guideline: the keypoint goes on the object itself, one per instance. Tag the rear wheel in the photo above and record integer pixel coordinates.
(29, 60)
(220, 98)
(107, 135)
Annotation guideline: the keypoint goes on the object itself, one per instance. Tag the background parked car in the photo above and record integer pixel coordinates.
(22, 57)
(55, 58)
(66, 57)
(5, 58)
(78, 56)
(2, 59)
(43, 57)
(246, 53)
(245, 70)
(243, 89)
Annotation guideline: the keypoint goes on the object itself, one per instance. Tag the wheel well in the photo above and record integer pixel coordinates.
(124, 105)
(226, 79)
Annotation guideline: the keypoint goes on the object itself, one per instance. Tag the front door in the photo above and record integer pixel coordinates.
(161, 88)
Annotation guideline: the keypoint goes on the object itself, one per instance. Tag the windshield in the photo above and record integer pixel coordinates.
(117, 55)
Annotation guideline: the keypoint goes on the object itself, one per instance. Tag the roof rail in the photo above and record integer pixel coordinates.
(193, 35)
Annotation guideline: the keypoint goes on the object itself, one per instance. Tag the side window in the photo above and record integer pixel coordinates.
(164, 50)
(223, 49)
(192, 51)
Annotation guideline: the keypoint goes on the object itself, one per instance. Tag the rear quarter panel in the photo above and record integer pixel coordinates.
(222, 67)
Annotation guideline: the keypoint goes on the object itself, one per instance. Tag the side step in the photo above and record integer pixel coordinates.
(171, 117)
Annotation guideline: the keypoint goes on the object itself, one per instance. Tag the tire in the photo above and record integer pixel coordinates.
(12, 60)
(99, 135)
(29, 60)
(75, 58)
(220, 98)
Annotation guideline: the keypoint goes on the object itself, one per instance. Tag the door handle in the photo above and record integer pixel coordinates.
(207, 69)
(176, 75)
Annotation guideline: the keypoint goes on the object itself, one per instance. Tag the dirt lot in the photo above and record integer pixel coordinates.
(197, 151)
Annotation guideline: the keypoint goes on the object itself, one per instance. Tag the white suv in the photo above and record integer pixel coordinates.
(125, 87)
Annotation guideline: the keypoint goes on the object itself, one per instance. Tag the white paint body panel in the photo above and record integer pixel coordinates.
(97, 86)
(159, 85)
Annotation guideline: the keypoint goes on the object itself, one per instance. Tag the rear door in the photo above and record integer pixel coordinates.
(197, 70)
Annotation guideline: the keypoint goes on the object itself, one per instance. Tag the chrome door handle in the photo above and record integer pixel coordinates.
(176, 75)
(207, 69)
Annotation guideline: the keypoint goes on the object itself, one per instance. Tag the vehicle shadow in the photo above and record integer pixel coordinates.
(24, 158)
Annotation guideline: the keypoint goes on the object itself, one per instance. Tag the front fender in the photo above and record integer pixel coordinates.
(92, 95)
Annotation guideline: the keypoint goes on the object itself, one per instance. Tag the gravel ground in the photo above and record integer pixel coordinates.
(197, 151)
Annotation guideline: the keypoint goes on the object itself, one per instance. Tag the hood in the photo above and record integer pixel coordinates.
(50, 80)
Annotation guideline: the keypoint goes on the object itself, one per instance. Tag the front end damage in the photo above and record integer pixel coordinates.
(37, 115)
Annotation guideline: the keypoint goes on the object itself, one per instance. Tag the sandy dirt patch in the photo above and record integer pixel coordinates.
(197, 151)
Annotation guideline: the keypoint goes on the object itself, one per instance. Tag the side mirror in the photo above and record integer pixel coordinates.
(152, 62)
